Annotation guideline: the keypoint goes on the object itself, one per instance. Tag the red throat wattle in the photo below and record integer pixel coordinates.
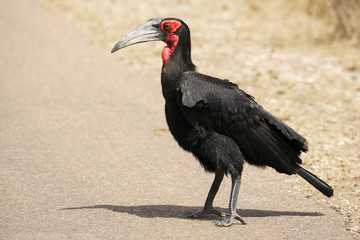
(169, 26)
(171, 42)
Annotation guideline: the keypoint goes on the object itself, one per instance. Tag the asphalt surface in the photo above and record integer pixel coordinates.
(84, 153)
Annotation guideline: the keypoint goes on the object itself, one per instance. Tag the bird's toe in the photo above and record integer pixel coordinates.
(205, 212)
(228, 221)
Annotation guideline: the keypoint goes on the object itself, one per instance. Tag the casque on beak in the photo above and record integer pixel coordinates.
(150, 31)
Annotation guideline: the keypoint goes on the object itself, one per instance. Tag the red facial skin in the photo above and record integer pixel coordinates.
(169, 26)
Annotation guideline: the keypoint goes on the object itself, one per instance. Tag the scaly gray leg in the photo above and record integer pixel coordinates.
(235, 186)
(208, 207)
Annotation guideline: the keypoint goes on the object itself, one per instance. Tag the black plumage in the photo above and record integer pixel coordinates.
(220, 106)
(219, 123)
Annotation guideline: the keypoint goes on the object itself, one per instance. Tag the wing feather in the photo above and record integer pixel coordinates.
(221, 106)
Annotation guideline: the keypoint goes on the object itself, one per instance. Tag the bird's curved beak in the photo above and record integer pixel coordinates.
(150, 31)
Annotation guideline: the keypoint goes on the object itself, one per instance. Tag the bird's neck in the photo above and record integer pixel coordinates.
(178, 63)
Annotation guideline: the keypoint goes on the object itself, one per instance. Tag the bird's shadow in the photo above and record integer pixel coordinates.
(172, 211)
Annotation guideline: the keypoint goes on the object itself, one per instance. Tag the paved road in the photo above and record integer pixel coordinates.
(82, 157)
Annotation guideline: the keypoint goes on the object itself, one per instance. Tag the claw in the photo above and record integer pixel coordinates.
(229, 219)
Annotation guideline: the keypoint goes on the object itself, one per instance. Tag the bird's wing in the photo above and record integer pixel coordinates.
(221, 106)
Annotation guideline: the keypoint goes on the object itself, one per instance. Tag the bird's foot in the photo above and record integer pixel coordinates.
(229, 219)
(205, 212)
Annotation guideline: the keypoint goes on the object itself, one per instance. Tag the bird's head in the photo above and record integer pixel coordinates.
(174, 32)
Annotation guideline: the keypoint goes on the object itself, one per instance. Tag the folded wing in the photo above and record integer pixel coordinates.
(219, 105)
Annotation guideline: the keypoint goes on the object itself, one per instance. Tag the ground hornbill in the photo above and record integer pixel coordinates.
(220, 124)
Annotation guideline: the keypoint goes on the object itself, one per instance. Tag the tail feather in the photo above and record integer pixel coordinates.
(315, 181)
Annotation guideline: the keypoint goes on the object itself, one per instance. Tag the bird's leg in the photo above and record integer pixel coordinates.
(208, 207)
(235, 186)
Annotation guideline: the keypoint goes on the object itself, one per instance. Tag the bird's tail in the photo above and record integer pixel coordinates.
(316, 182)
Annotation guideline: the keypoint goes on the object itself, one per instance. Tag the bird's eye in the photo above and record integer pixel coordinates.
(167, 27)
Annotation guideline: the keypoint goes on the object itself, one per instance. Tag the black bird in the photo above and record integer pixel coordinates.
(220, 124)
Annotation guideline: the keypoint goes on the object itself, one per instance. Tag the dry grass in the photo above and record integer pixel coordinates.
(289, 54)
